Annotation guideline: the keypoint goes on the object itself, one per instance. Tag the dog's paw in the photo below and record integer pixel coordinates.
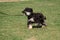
(30, 26)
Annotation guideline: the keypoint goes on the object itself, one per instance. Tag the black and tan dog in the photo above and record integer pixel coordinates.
(37, 18)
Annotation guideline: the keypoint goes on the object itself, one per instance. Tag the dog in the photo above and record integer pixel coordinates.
(37, 18)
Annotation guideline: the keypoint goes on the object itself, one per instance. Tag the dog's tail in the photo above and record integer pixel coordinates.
(45, 17)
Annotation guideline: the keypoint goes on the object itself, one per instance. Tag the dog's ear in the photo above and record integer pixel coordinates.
(28, 9)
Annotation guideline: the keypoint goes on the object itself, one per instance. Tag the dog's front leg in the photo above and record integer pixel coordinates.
(29, 24)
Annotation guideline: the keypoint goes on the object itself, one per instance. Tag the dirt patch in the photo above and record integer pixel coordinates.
(9, 0)
(32, 38)
(12, 0)
(51, 4)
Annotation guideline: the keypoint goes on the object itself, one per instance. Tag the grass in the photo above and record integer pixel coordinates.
(13, 27)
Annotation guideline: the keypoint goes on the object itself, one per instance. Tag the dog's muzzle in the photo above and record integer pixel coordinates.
(23, 12)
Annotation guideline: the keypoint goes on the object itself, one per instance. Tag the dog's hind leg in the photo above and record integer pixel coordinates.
(44, 24)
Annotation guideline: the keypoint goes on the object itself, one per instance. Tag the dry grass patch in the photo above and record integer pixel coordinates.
(9, 0)
(32, 38)
(12, 0)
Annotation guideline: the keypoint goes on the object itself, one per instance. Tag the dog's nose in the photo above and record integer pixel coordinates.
(22, 11)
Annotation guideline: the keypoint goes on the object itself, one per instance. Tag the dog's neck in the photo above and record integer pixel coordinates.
(29, 15)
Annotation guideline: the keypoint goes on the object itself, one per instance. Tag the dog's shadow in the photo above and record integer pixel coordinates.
(37, 26)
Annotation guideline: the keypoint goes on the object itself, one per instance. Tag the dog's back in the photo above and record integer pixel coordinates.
(38, 17)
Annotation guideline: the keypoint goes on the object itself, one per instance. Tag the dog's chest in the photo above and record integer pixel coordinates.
(31, 19)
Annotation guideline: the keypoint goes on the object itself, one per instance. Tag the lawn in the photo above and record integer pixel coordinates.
(13, 22)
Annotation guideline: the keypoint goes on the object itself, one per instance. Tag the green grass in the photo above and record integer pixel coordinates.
(14, 27)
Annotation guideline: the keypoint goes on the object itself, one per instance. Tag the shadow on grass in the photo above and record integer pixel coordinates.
(37, 26)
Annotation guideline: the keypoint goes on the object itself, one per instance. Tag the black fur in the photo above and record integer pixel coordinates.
(38, 17)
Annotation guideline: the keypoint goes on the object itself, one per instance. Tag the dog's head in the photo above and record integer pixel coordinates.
(27, 11)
